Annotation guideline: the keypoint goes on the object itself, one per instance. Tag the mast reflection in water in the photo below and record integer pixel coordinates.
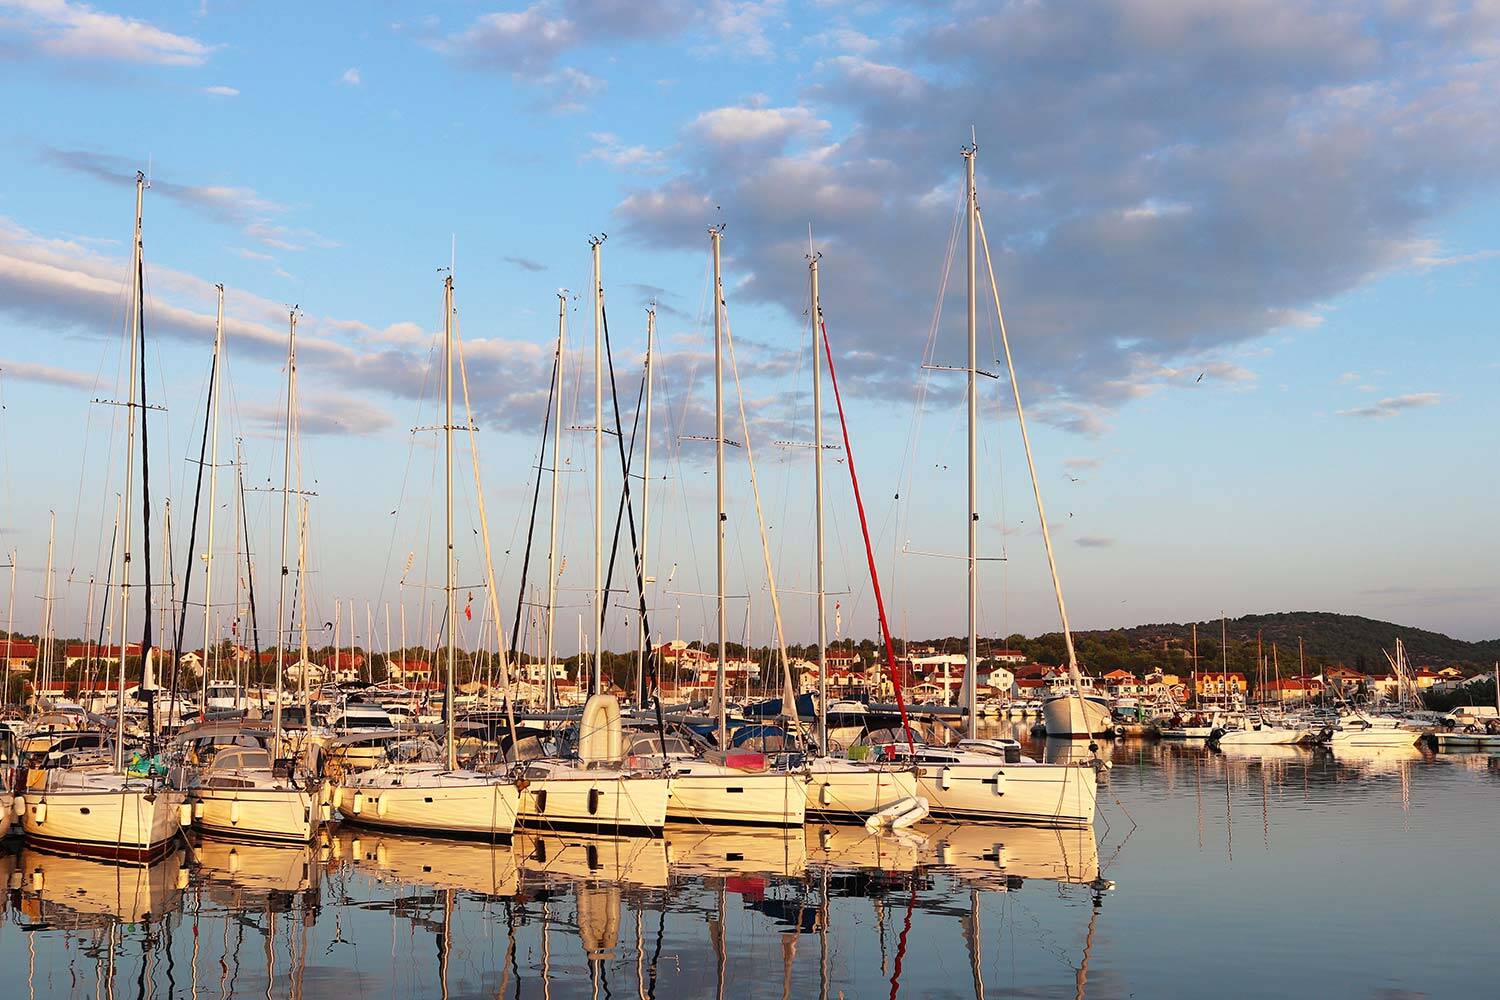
(1270, 851)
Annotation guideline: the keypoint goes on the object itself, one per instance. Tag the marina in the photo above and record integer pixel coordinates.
(988, 910)
(581, 499)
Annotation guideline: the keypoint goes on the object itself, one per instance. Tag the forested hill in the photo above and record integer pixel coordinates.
(1327, 639)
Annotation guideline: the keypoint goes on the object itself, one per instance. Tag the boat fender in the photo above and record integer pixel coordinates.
(197, 810)
(359, 803)
(325, 812)
(184, 815)
(20, 806)
(824, 797)
(945, 780)
(999, 780)
(234, 812)
(380, 805)
(915, 814)
(39, 812)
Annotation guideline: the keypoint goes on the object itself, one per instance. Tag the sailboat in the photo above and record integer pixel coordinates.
(838, 789)
(105, 810)
(721, 786)
(598, 789)
(427, 791)
(979, 778)
(241, 787)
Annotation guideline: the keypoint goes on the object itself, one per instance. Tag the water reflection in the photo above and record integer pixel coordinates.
(1206, 847)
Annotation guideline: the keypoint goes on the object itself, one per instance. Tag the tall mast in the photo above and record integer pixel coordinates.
(595, 244)
(452, 747)
(972, 678)
(286, 497)
(715, 235)
(640, 653)
(213, 481)
(1036, 486)
(1224, 656)
(136, 317)
(46, 636)
(817, 353)
(10, 628)
(562, 330)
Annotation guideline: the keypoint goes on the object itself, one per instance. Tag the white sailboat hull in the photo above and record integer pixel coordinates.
(599, 800)
(127, 823)
(448, 803)
(1071, 715)
(839, 789)
(702, 792)
(1055, 794)
(1264, 736)
(289, 814)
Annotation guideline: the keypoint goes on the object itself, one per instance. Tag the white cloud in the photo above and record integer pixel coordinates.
(608, 148)
(1392, 405)
(78, 31)
(755, 126)
(221, 91)
(351, 77)
(47, 374)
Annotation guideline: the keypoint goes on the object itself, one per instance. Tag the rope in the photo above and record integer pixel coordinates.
(864, 527)
(536, 497)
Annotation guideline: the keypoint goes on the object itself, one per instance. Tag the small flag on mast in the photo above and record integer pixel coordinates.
(469, 607)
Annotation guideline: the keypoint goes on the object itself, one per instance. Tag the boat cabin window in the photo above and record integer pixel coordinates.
(242, 759)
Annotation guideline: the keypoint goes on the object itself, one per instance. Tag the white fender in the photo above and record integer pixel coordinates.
(185, 815)
(823, 795)
(197, 810)
(359, 803)
(325, 813)
(916, 811)
(945, 780)
(999, 782)
(39, 812)
(234, 812)
(380, 805)
(20, 806)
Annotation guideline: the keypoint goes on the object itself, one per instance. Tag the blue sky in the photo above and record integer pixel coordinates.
(1293, 201)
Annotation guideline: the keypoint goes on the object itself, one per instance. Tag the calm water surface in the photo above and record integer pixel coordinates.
(1287, 873)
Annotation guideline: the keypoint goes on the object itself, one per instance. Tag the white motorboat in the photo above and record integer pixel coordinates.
(1363, 731)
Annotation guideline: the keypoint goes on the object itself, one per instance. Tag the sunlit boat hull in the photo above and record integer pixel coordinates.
(848, 791)
(131, 824)
(1264, 736)
(447, 803)
(283, 814)
(1053, 794)
(1071, 715)
(703, 792)
(564, 796)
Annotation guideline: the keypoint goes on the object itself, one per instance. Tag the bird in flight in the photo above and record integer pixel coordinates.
(1199, 378)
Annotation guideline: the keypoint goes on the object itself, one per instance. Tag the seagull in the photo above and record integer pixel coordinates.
(1074, 479)
(1199, 378)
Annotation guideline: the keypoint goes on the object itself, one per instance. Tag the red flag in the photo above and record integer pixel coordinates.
(469, 607)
